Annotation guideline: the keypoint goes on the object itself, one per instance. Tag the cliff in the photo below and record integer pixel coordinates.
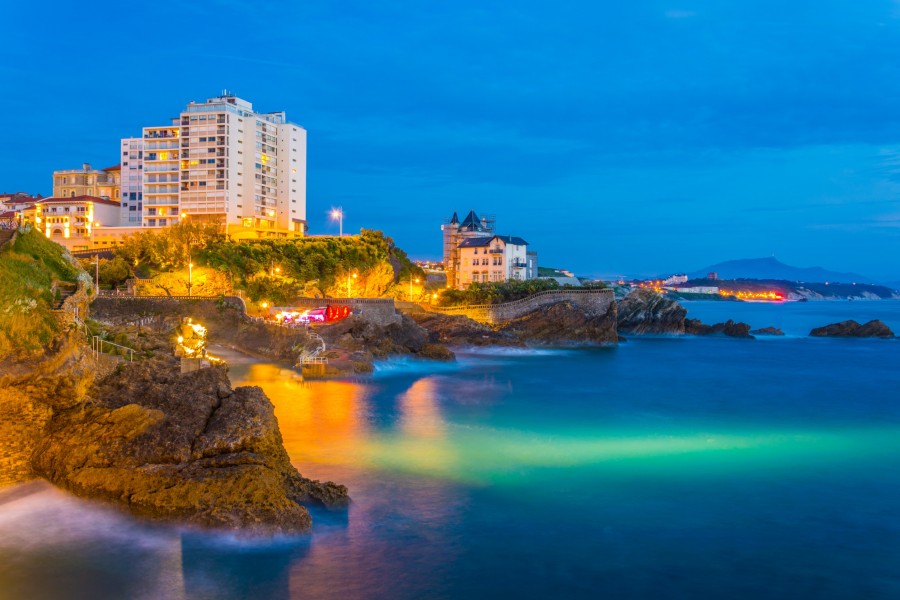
(184, 447)
(565, 323)
(643, 311)
(174, 446)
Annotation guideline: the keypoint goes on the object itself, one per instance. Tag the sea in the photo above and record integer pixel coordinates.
(665, 467)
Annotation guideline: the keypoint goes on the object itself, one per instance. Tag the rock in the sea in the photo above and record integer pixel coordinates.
(729, 328)
(874, 328)
(645, 311)
(564, 323)
(767, 331)
(184, 447)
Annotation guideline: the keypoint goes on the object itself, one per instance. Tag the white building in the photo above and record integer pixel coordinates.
(675, 280)
(221, 162)
(492, 259)
(132, 182)
(72, 222)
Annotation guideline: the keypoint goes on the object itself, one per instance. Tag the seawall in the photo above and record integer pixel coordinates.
(593, 302)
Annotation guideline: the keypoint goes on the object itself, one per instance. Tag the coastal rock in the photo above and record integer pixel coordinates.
(645, 311)
(437, 352)
(564, 322)
(459, 330)
(767, 331)
(728, 328)
(874, 328)
(184, 447)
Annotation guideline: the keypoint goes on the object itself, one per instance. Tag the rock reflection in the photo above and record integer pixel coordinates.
(420, 412)
(323, 422)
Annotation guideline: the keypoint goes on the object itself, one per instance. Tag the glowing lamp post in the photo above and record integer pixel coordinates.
(350, 279)
(337, 214)
(410, 287)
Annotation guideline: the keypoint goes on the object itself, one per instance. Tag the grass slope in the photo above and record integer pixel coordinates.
(28, 270)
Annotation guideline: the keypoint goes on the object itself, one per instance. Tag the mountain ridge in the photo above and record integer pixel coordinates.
(772, 268)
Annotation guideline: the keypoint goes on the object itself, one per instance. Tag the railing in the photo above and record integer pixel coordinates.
(313, 360)
(518, 302)
(97, 348)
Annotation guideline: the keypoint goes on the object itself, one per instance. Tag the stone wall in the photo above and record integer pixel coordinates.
(122, 309)
(380, 311)
(593, 302)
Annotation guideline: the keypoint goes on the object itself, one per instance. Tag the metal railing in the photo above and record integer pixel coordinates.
(97, 348)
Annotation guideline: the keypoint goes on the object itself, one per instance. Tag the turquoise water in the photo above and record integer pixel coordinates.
(664, 468)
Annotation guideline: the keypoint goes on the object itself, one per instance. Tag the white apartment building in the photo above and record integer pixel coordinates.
(492, 259)
(132, 182)
(221, 162)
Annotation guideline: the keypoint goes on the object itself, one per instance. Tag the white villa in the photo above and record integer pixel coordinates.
(494, 259)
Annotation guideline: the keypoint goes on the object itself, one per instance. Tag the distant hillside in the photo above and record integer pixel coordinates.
(772, 268)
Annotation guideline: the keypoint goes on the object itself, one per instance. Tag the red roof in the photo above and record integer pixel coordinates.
(93, 199)
(10, 214)
(113, 168)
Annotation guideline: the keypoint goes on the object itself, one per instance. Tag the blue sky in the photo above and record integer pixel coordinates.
(616, 137)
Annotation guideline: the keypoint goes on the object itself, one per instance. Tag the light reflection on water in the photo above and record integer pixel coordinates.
(663, 468)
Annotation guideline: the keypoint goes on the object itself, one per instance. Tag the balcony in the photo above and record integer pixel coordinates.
(495, 251)
(519, 265)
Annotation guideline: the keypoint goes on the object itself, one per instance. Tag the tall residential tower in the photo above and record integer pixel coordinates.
(221, 162)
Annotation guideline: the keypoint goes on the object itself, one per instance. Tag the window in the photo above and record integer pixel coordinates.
(474, 276)
(474, 261)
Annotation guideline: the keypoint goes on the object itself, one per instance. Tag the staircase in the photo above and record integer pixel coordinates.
(64, 292)
(6, 235)
(314, 357)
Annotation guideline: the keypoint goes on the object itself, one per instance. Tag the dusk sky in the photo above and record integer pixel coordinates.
(635, 138)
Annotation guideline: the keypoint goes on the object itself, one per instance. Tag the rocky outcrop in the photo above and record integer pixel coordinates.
(728, 328)
(767, 331)
(184, 447)
(851, 328)
(356, 335)
(644, 311)
(564, 323)
(459, 330)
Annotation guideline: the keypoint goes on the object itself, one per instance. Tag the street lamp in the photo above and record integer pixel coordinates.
(337, 214)
(349, 279)
(410, 287)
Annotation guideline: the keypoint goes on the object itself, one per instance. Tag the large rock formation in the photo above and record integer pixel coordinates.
(851, 328)
(181, 446)
(459, 330)
(645, 311)
(728, 328)
(564, 322)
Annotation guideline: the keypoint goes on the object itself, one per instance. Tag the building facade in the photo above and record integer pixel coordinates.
(473, 252)
(131, 182)
(221, 162)
(86, 181)
(72, 222)
(492, 259)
